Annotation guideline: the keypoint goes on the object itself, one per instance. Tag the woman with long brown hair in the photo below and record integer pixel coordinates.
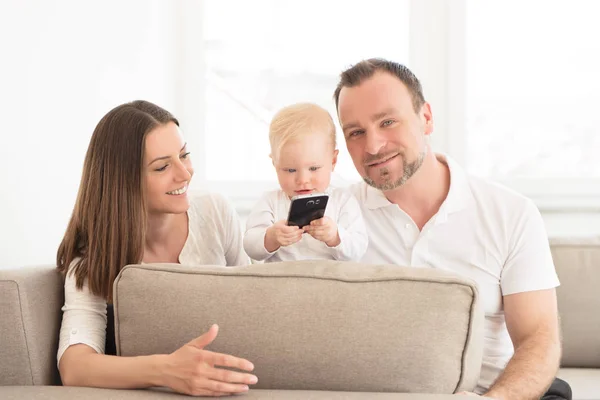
(133, 207)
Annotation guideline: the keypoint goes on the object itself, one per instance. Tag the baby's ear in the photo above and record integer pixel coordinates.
(334, 161)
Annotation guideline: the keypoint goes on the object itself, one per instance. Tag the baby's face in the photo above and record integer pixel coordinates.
(304, 165)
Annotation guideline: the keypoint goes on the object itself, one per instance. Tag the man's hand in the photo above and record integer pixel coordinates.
(324, 229)
(280, 234)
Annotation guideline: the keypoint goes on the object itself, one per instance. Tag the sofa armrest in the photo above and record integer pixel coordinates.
(30, 307)
(577, 262)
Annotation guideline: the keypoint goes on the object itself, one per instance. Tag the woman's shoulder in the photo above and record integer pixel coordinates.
(206, 198)
(70, 272)
(71, 289)
(207, 204)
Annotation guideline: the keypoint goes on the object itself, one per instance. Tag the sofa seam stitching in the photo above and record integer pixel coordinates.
(469, 336)
(445, 280)
(24, 330)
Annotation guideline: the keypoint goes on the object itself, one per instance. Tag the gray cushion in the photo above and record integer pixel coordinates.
(312, 325)
(30, 303)
(578, 267)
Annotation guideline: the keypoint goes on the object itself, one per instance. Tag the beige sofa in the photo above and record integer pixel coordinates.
(315, 330)
(578, 265)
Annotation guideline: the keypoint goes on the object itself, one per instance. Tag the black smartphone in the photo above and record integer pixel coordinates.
(306, 208)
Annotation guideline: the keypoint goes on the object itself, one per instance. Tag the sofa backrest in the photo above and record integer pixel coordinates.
(577, 263)
(320, 325)
(30, 303)
(31, 298)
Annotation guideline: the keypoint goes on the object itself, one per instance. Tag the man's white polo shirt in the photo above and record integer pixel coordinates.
(483, 231)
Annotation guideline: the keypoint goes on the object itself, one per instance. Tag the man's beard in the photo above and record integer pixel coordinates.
(408, 170)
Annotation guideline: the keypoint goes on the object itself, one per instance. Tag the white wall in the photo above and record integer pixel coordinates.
(64, 65)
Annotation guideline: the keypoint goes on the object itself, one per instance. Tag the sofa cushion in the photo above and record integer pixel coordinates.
(312, 325)
(62, 393)
(577, 264)
(30, 303)
(584, 382)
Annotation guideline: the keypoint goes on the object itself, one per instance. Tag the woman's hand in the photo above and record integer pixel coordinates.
(193, 370)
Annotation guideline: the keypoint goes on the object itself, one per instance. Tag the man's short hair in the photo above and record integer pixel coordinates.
(365, 69)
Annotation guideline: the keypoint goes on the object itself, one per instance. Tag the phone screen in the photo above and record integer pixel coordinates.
(305, 209)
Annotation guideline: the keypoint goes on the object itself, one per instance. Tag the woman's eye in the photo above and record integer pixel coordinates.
(161, 168)
(185, 156)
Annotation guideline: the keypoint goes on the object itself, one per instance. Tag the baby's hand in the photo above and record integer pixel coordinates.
(280, 234)
(324, 229)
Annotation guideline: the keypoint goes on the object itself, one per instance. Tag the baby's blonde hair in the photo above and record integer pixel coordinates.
(297, 120)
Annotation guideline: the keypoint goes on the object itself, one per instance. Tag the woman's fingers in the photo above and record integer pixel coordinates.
(226, 360)
(224, 375)
(205, 339)
(224, 387)
(210, 393)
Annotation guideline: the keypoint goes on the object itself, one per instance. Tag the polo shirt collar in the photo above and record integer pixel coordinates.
(459, 196)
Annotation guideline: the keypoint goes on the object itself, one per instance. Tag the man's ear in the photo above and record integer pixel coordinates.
(334, 161)
(427, 117)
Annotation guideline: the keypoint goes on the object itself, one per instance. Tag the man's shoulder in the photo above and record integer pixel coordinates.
(490, 194)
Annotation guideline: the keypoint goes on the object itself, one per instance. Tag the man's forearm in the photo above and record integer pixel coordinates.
(530, 371)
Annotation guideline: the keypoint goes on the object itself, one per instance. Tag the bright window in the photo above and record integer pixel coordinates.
(263, 55)
(533, 89)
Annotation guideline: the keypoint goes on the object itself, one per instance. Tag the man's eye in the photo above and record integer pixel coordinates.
(355, 133)
(387, 122)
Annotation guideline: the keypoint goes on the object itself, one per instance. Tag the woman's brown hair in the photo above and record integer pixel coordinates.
(108, 224)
